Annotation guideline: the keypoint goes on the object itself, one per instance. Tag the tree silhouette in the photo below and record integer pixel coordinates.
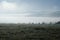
(58, 22)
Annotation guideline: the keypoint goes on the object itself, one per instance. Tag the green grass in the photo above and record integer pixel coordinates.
(29, 32)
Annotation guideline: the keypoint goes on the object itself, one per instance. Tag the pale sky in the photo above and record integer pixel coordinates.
(28, 11)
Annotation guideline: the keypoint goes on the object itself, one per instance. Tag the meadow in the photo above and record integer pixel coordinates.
(29, 31)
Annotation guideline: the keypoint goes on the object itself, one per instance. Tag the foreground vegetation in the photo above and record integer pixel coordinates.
(29, 31)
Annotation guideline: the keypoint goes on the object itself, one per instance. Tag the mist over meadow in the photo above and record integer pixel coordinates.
(29, 19)
(29, 11)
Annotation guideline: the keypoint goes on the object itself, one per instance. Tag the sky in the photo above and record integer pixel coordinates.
(29, 11)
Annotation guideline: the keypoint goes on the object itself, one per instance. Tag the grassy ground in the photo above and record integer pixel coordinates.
(29, 32)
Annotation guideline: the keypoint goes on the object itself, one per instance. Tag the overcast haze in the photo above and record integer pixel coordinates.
(28, 11)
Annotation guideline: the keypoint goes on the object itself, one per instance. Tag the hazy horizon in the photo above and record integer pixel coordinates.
(29, 11)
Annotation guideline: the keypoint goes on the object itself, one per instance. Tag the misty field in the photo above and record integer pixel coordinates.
(29, 31)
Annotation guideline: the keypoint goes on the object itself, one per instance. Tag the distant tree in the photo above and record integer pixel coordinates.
(32, 23)
(57, 22)
(38, 23)
(50, 23)
(43, 23)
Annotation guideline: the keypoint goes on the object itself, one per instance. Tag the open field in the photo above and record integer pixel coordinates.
(29, 31)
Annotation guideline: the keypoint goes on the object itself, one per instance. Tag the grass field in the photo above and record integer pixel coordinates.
(29, 31)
